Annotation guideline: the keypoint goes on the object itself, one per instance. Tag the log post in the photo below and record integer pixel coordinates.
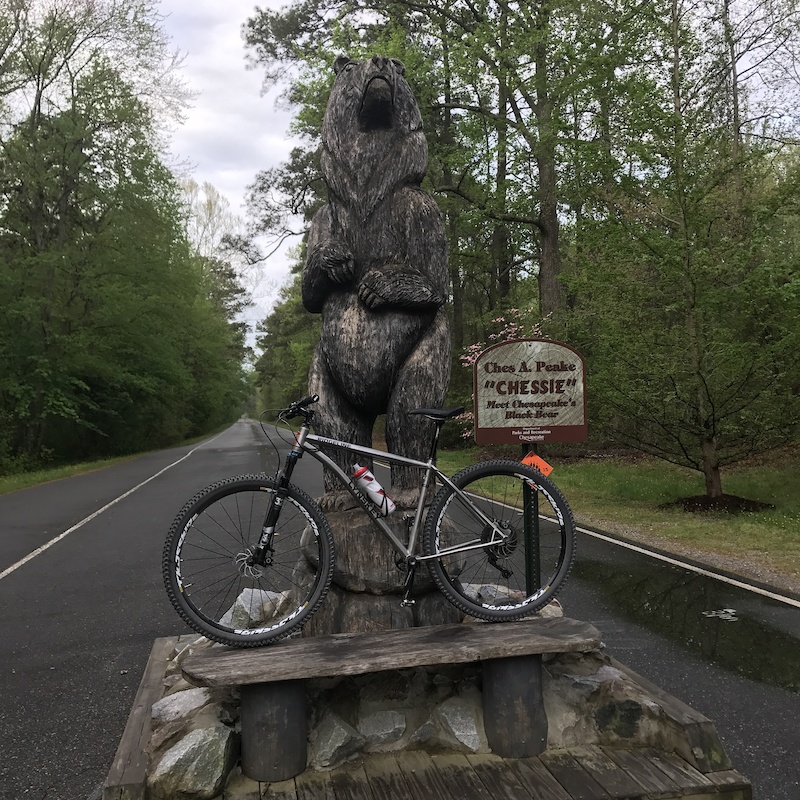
(513, 706)
(274, 730)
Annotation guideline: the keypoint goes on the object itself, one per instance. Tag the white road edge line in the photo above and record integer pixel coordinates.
(692, 567)
(40, 550)
(682, 564)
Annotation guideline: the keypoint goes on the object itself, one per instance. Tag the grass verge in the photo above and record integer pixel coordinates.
(24, 480)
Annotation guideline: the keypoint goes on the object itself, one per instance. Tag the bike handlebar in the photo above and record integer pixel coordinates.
(299, 407)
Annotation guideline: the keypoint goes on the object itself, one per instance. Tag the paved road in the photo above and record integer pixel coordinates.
(731, 654)
(79, 620)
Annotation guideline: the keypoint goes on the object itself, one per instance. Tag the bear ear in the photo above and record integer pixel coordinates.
(399, 66)
(340, 63)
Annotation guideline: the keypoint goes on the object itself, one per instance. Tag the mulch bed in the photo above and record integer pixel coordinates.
(728, 503)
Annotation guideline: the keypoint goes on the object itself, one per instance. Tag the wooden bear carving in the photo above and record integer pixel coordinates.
(377, 268)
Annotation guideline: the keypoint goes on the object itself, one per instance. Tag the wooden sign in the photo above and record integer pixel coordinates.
(529, 391)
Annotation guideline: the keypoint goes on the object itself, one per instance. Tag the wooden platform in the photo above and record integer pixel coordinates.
(585, 773)
(273, 695)
(126, 778)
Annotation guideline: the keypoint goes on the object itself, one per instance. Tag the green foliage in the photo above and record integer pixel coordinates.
(114, 334)
(691, 253)
(622, 163)
(483, 272)
(288, 338)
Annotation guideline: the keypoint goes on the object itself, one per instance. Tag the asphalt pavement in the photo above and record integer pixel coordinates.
(79, 619)
(80, 616)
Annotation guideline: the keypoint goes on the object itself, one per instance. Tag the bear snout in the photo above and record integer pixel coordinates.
(377, 104)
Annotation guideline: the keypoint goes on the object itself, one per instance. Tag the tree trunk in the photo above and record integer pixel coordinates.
(711, 469)
(451, 216)
(456, 283)
(551, 293)
(733, 73)
(500, 250)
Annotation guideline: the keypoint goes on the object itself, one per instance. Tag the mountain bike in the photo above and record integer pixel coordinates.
(249, 559)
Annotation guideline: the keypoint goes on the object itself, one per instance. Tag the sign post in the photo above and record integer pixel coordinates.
(530, 391)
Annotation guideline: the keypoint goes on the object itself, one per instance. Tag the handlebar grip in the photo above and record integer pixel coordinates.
(298, 407)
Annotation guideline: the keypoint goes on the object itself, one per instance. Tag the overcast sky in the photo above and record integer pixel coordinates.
(232, 131)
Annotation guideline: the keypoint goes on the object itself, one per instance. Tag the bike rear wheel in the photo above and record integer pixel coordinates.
(212, 580)
(505, 576)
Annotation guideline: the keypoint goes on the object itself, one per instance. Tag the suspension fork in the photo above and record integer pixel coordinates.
(262, 552)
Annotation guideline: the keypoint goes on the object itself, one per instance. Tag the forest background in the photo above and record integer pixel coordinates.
(119, 305)
(620, 175)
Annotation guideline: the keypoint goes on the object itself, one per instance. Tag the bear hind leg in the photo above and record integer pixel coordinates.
(336, 418)
(421, 383)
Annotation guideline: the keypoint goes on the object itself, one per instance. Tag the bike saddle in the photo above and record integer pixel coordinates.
(440, 414)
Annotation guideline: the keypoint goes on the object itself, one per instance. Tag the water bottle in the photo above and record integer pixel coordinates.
(367, 483)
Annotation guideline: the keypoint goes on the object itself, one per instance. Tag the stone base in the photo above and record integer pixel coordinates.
(592, 701)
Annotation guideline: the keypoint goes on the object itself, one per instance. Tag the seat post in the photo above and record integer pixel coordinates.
(435, 439)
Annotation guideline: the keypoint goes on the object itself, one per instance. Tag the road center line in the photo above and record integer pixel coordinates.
(48, 545)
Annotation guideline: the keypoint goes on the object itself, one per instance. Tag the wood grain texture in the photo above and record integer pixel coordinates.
(126, 778)
(513, 706)
(359, 653)
(537, 779)
(607, 773)
(459, 777)
(580, 785)
(274, 730)
(377, 270)
(386, 779)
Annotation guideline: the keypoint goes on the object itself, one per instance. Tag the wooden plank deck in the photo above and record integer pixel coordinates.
(582, 773)
(126, 778)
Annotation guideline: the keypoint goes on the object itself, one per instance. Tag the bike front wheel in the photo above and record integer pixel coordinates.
(213, 580)
(503, 546)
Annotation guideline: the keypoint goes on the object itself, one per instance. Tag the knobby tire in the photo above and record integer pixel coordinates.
(208, 580)
(491, 582)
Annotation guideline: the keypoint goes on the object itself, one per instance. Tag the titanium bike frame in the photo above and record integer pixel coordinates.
(306, 442)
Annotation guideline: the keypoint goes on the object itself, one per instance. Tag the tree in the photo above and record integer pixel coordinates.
(282, 199)
(692, 255)
(496, 134)
(113, 334)
(635, 161)
(287, 340)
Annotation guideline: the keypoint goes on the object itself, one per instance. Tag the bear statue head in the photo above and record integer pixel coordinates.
(372, 115)
(373, 95)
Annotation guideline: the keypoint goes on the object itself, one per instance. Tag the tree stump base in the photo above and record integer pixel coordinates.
(367, 586)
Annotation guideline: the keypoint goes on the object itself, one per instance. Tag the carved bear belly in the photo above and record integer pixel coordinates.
(364, 350)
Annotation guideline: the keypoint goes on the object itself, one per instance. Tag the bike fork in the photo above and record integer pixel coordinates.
(262, 553)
